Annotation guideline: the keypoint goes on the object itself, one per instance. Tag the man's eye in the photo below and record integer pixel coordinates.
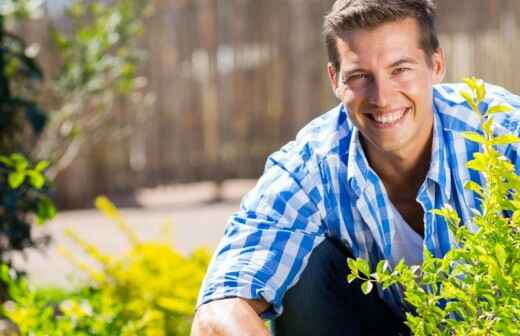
(400, 70)
(357, 77)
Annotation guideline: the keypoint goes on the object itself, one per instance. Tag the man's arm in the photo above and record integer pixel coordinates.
(230, 317)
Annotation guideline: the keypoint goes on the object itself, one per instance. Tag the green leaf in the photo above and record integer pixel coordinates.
(481, 90)
(499, 109)
(351, 264)
(351, 277)
(6, 161)
(448, 213)
(475, 187)
(475, 137)
(489, 262)
(475, 164)
(4, 273)
(41, 166)
(382, 266)
(505, 139)
(449, 291)
(501, 255)
(366, 287)
(36, 179)
(363, 266)
(469, 99)
(16, 179)
(487, 126)
(20, 162)
(45, 210)
(471, 82)
(516, 271)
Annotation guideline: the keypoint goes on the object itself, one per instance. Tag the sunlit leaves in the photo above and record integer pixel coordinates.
(469, 99)
(475, 137)
(366, 287)
(505, 139)
(27, 184)
(17, 169)
(150, 290)
(45, 210)
(499, 109)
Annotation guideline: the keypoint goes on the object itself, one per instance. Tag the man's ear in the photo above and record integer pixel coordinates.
(438, 66)
(333, 78)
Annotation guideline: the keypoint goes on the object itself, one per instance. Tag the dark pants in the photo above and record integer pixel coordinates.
(324, 303)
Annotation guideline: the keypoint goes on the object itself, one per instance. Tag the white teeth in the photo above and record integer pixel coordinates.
(389, 118)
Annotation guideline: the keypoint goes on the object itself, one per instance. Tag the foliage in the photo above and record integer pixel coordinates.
(20, 9)
(99, 57)
(475, 288)
(23, 189)
(151, 290)
(20, 118)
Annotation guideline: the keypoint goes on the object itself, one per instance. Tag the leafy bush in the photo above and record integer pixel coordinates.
(151, 290)
(24, 189)
(99, 57)
(475, 288)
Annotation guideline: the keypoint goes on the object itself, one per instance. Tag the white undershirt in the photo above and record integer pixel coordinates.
(407, 244)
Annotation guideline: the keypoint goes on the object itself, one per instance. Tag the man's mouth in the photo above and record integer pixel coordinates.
(389, 119)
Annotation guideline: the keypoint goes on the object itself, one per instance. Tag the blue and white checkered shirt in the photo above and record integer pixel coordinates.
(321, 185)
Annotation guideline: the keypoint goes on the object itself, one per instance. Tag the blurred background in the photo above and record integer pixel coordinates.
(170, 108)
(233, 80)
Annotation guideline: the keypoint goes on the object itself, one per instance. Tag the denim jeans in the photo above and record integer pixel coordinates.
(323, 303)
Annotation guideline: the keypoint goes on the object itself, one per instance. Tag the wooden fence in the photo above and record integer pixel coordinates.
(235, 79)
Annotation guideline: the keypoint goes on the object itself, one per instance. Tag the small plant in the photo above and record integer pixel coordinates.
(24, 189)
(151, 290)
(24, 195)
(475, 288)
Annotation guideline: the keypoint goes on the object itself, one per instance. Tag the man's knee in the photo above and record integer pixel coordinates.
(320, 302)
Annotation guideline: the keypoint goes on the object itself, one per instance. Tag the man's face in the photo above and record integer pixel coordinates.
(386, 83)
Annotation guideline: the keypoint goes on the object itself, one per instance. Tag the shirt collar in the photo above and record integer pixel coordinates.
(357, 166)
(359, 170)
(439, 171)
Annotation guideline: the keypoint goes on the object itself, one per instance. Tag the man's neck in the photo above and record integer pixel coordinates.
(404, 171)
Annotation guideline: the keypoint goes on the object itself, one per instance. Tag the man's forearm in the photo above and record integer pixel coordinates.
(230, 317)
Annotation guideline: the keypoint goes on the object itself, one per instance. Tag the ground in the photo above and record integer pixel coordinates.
(196, 222)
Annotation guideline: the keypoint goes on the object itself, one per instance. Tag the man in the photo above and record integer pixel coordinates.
(360, 181)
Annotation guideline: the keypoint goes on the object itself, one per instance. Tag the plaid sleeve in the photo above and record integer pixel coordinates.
(267, 243)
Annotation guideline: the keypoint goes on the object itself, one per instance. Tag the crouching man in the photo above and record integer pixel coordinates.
(360, 181)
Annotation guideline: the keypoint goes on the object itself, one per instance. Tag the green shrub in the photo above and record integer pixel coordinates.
(475, 288)
(24, 189)
(150, 290)
(23, 192)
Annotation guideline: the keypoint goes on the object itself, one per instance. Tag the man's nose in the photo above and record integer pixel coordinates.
(380, 93)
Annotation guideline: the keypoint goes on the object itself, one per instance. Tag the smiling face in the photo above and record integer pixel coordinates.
(385, 81)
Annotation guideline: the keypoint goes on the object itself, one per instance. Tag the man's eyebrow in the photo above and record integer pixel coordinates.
(402, 61)
(347, 73)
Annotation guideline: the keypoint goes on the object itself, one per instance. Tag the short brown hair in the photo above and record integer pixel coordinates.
(348, 15)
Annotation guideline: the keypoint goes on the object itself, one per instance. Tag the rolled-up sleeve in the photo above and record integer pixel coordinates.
(267, 243)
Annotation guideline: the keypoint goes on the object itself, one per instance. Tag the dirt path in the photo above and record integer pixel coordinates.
(195, 223)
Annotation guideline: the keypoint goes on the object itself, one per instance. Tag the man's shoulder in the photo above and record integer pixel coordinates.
(456, 114)
(317, 140)
(323, 132)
